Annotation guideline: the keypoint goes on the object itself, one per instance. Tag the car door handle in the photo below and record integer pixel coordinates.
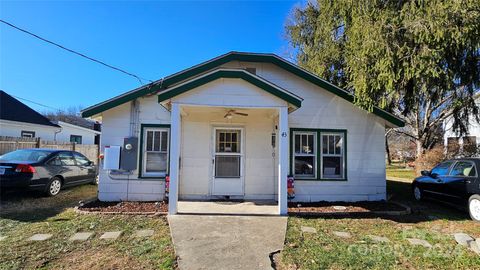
(439, 181)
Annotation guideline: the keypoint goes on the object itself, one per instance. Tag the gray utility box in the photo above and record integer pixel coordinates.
(128, 160)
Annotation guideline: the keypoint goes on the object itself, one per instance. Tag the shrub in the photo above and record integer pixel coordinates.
(429, 159)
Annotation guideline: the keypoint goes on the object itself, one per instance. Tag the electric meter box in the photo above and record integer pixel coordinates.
(128, 161)
(111, 157)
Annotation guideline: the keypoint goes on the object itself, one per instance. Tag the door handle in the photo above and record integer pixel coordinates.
(439, 181)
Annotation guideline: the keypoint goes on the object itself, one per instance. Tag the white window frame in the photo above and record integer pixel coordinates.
(27, 134)
(314, 154)
(342, 154)
(144, 151)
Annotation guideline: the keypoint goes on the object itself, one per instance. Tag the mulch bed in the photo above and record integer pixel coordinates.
(345, 208)
(124, 207)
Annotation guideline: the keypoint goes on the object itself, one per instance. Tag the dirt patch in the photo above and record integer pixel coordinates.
(343, 207)
(124, 207)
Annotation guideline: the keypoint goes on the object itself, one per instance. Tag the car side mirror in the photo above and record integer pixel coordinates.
(90, 163)
(425, 173)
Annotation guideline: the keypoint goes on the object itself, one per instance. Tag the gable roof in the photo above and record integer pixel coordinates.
(13, 110)
(232, 74)
(178, 77)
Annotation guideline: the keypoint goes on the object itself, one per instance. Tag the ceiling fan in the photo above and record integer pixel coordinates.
(230, 113)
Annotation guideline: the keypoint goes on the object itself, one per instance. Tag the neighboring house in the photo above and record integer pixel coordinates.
(74, 133)
(467, 143)
(19, 120)
(235, 127)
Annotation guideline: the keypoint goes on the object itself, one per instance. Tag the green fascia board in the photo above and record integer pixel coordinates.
(231, 74)
(114, 102)
(235, 56)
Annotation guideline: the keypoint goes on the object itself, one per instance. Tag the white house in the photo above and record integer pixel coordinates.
(235, 127)
(452, 139)
(19, 120)
(74, 133)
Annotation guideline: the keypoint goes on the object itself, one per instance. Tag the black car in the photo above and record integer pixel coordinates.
(456, 181)
(46, 170)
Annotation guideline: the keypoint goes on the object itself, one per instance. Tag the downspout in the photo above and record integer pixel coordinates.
(55, 134)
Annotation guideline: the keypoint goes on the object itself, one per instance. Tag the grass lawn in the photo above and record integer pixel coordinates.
(23, 215)
(399, 171)
(431, 221)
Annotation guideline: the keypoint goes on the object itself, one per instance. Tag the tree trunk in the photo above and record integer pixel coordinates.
(420, 148)
(389, 158)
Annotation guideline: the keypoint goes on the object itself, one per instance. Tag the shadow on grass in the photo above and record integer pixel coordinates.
(400, 191)
(428, 209)
(31, 206)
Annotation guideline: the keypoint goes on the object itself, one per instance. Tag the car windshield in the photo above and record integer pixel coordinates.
(442, 168)
(25, 156)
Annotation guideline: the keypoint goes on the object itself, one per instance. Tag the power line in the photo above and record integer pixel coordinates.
(39, 104)
(77, 53)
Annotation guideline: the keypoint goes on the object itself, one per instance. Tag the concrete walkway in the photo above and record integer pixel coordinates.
(226, 242)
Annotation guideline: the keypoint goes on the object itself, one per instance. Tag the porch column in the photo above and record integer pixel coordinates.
(282, 159)
(174, 158)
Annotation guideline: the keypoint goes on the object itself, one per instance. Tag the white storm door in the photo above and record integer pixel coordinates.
(227, 161)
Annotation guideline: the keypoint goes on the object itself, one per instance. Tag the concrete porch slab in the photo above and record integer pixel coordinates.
(226, 242)
(228, 208)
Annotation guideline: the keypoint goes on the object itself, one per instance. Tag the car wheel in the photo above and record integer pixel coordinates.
(417, 193)
(474, 207)
(54, 186)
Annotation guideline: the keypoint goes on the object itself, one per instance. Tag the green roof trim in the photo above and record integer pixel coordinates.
(233, 56)
(232, 74)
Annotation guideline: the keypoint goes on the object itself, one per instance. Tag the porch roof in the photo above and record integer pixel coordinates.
(256, 80)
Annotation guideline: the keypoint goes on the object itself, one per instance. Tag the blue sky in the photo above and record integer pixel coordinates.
(151, 39)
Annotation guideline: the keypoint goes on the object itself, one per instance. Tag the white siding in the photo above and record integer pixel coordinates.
(14, 129)
(115, 127)
(320, 110)
(197, 152)
(324, 110)
(474, 128)
(88, 136)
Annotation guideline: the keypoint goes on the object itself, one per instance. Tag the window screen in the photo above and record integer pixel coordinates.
(305, 154)
(332, 156)
(155, 152)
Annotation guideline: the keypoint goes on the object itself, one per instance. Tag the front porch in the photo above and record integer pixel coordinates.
(250, 208)
(229, 138)
(222, 155)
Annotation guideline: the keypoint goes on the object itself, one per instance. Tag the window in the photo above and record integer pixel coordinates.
(63, 159)
(305, 154)
(470, 144)
(81, 159)
(332, 156)
(442, 168)
(76, 139)
(28, 134)
(318, 154)
(453, 144)
(227, 153)
(463, 168)
(155, 151)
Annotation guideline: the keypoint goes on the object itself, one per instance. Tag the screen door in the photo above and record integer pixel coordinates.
(227, 161)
